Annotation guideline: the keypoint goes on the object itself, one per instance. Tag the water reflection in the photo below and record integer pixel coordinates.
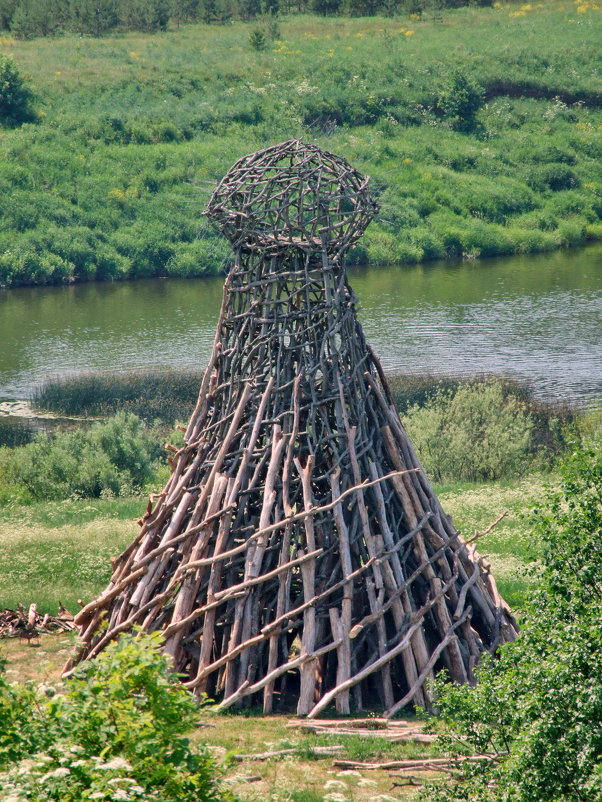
(534, 317)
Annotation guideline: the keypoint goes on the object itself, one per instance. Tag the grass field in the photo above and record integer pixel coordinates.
(134, 130)
(60, 551)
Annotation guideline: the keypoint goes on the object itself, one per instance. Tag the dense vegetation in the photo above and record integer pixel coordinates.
(29, 18)
(484, 430)
(113, 458)
(65, 509)
(117, 732)
(445, 419)
(481, 129)
(536, 710)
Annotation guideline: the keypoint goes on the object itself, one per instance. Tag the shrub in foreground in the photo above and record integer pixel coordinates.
(118, 732)
(536, 711)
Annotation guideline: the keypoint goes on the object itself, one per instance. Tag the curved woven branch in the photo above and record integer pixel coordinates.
(298, 551)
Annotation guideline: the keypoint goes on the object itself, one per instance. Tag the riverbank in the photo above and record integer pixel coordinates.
(134, 131)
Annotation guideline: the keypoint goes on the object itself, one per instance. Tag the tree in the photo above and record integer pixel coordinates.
(249, 9)
(326, 7)
(145, 15)
(7, 9)
(36, 18)
(16, 98)
(93, 16)
(459, 100)
(536, 711)
(185, 10)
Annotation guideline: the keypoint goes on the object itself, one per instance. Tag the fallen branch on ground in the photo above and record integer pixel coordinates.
(317, 751)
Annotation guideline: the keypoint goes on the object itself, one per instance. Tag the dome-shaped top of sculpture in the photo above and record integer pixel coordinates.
(292, 195)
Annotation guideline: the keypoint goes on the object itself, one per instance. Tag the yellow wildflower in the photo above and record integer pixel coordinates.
(117, 195)
(409, 33)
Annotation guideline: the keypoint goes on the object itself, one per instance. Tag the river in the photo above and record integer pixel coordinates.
(535, 318)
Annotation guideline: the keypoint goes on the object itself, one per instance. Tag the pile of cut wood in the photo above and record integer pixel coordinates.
(29, 624)
(390, 730)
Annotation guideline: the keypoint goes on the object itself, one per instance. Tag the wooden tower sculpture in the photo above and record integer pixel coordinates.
(298, 551)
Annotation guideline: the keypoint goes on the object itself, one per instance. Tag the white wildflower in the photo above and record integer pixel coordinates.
(117, 780)
(335, 798)
(97, 795)
(77, 763)
(348, 773)
(335, 785)
(305, 88)
(56, 774)
(137, 789)
(121, 794)
(366, 783)
(42, 758)
(115, 764)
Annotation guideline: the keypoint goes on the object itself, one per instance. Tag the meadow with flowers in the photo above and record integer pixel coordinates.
(480, 127)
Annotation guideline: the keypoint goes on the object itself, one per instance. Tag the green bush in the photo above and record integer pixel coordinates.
(258, 39)
(536, 711)
(7, 9)
(16, 98)
(28, 265)
(475, 433)
(459, 99)
(117, 457)
(118, 731)
(94, 16)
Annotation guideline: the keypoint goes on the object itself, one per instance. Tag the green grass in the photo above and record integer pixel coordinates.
(136, 128)
(60, 551)
(508, 546)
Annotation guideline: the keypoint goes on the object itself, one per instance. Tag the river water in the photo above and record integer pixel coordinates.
(536, 318)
